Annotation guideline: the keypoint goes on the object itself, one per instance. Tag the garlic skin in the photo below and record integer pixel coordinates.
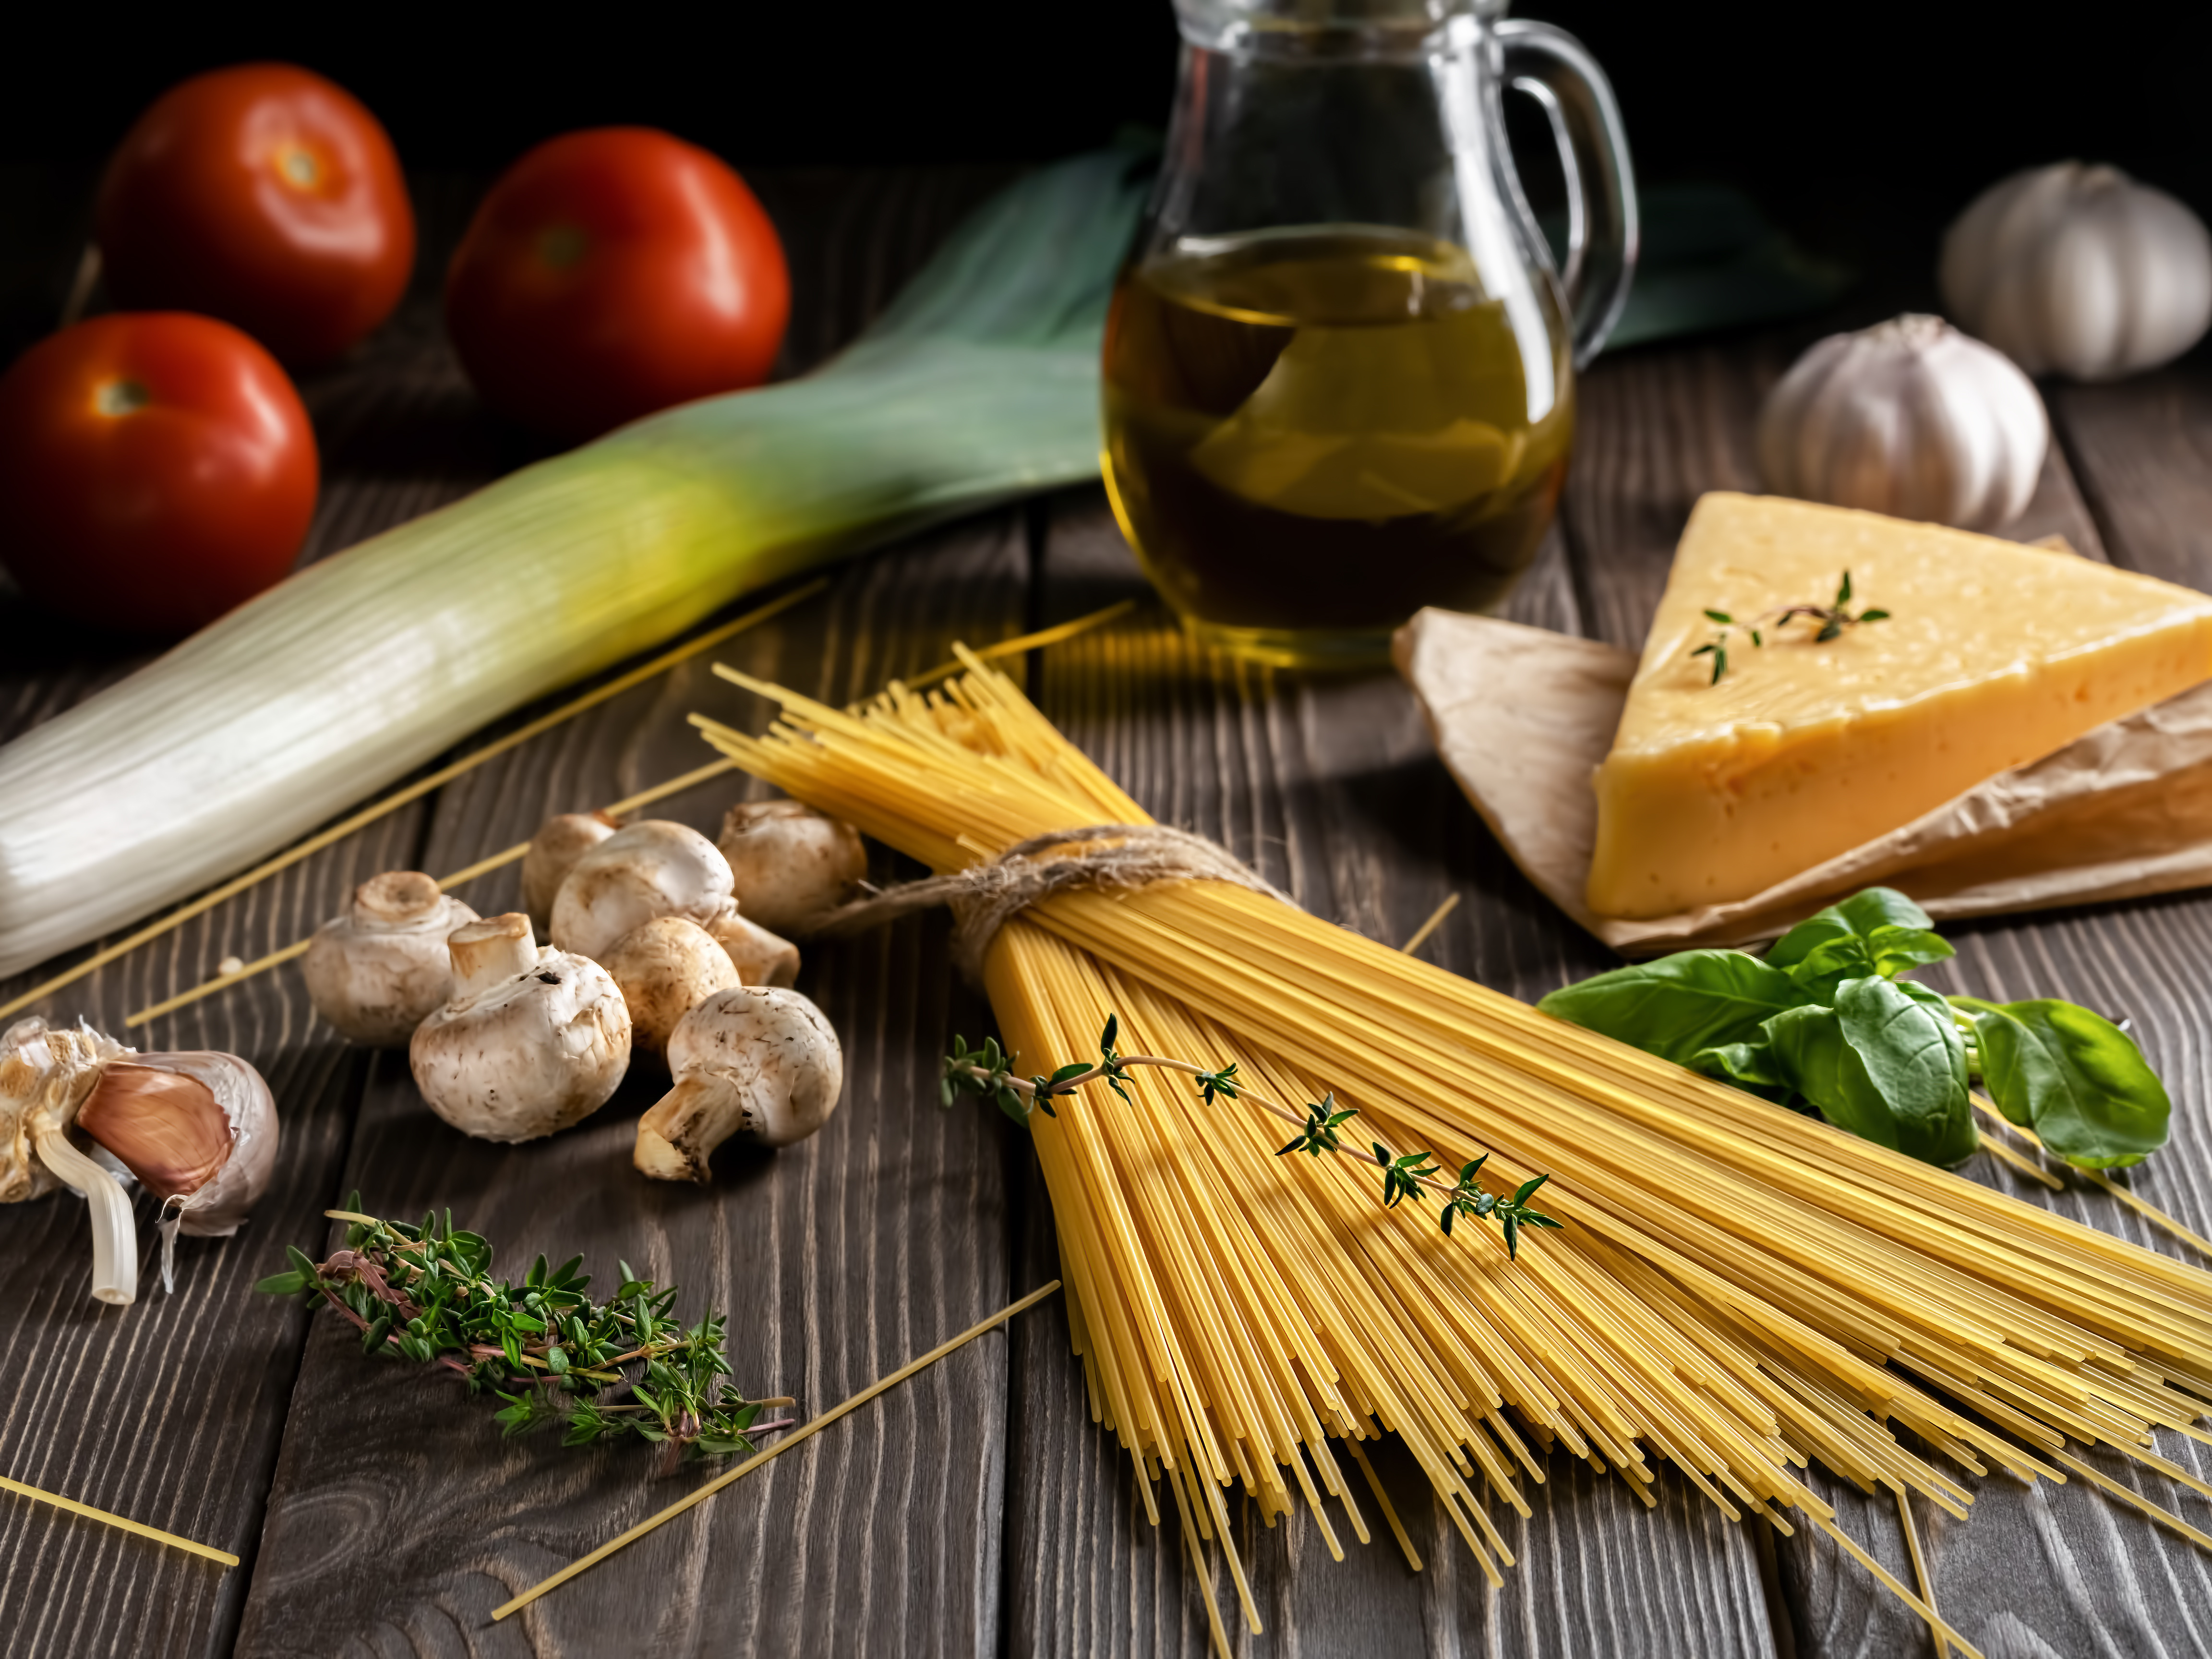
(756, 1061)
(533, 1040)
(218, 1207)
(1911, 418)
(665, 968)
(380, 969)
(652, 868)
(46, 1073)
(2079, 270)
(791, 864)
(554, 850)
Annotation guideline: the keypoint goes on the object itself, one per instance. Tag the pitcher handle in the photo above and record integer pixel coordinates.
(1552, 67)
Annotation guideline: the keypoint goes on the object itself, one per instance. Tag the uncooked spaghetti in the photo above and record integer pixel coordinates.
(1737, 1289)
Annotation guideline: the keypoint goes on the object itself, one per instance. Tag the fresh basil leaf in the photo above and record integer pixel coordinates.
(1881, 907)
(1807, 1046)
(1916, 1055)
(1899, 950)
(2074, 1078)
(1752, 1066)
(1886, 1063)
(1681, 1004)
(1829, 963)
(1860, 914)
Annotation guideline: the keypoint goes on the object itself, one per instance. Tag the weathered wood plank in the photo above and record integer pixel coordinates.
(1328, 784)
(2142, 448)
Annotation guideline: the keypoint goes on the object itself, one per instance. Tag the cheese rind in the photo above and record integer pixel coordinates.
(1993, 655)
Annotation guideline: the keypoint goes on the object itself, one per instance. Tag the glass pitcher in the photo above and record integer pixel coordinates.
(1339, 377)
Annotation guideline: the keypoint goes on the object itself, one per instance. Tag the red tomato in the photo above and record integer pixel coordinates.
(613, 272)
(265, 196)
(156, 469)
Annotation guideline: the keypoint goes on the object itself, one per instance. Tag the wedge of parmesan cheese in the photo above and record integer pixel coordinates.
(1992, 655)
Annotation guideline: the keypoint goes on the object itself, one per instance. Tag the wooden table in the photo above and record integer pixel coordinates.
(977, 1509)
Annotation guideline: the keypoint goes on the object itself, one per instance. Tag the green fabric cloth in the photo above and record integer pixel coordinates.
(1710, 260)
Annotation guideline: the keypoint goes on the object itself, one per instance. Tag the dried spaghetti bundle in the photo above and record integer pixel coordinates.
(1736, 1289)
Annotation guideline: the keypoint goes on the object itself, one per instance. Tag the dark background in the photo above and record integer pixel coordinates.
(1862, 127)
(1938, 98)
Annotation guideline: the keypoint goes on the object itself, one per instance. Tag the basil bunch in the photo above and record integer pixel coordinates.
(1826, 1019)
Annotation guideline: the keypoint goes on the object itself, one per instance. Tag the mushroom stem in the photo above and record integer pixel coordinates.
(678, 1133)
(491, 951)
(114, 1235)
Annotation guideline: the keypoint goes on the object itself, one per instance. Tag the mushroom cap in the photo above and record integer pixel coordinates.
(791, 864)
(652, 868)
(529, 1054)
(776, 1047)
(378, 971)
(666, 968)
(45, 1074)
(560, 842)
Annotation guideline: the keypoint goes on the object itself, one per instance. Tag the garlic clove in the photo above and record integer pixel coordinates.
(375, 972)
(651, 868)
(554, 850)
(165, 1128)
(665, 968)
(219, 1207)
(759, 1062)
(533, 1040)
(791, 864)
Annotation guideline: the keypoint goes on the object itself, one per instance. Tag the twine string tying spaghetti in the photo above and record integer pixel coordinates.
(984, 897)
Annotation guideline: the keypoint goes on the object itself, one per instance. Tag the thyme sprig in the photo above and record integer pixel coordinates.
(426, 1294)
(1833, 619)
(988, 1071)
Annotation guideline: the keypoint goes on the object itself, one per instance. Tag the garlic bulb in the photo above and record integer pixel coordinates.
(378, 970)
(2079, 270)
(1911, 418)
(198, 1130)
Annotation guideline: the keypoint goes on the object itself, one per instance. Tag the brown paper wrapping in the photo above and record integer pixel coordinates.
(1522, 716)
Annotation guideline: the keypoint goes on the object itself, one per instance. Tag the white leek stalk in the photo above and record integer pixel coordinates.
(979, 385)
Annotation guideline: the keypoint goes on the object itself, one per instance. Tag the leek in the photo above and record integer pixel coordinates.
(979, 384)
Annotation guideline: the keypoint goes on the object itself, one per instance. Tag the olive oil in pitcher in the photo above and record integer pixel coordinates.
(1312, 432)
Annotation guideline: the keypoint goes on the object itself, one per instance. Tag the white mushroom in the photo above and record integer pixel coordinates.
(665, 968)
(758, 1061)
(655, 868)
(554, 850)
(791, 865)
(198, 1129)
(651, 868)
(762, 957)
(378, 970)
(533, 1040)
